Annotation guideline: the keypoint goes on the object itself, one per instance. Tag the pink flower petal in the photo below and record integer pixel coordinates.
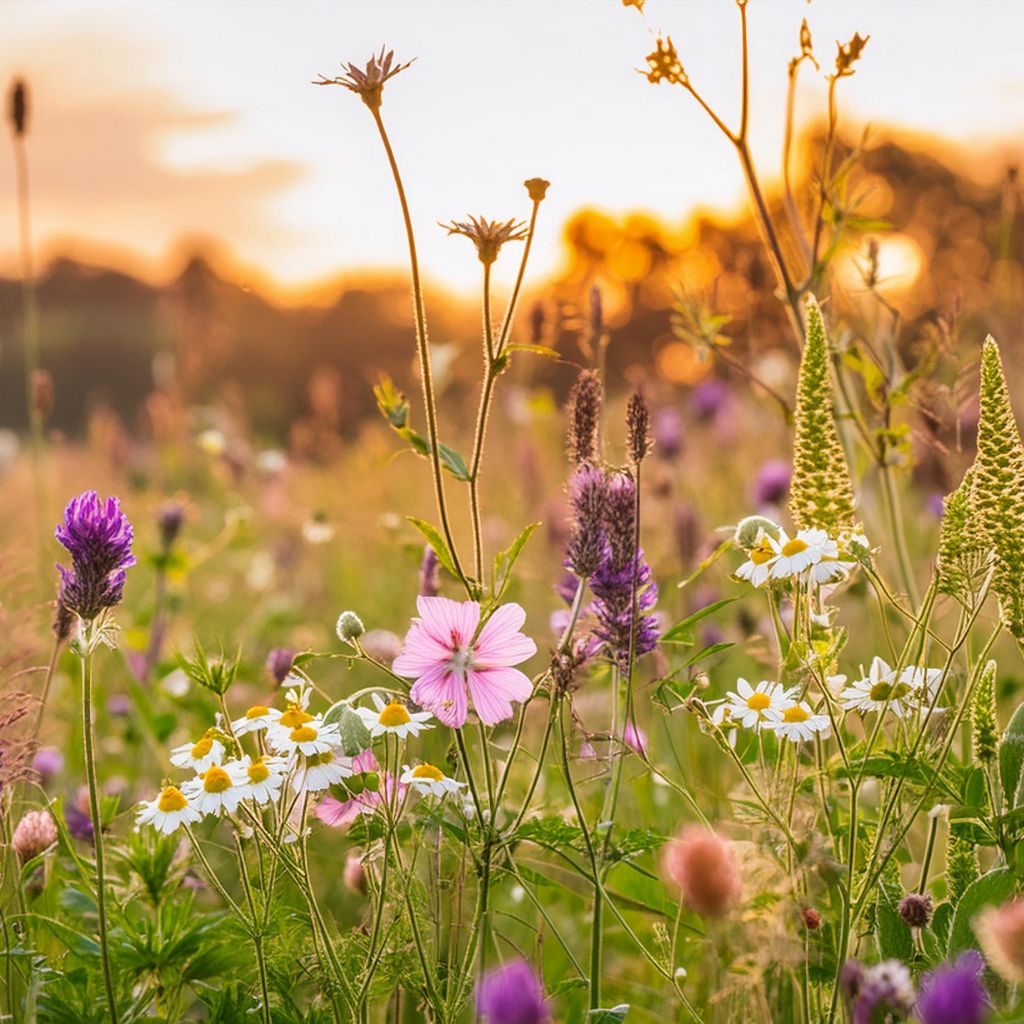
(335, 813)
(494, 689)
(500, 642)
(443, 693)
(451, 623)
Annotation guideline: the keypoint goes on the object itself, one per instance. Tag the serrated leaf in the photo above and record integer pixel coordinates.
(992, 889)
(436, 541)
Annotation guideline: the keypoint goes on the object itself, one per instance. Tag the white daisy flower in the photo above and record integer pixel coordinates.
(168, 811)
(799, 723)
(309, 738)
(429, 781)
(320, 771)
(757, 568)
(264, 778)
(830, 570)
(394, 717)
(751, 706)
(257, 718)
(199, 755)
(799, 553)
(878, 690)
(218, 790)
(924, 682)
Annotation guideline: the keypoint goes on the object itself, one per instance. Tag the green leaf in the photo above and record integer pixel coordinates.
(894, 938)
(355, 737)
(540, 350)
(1011, 756)
(707, 652)
(682, 632)
(615, 1015)
(505, 560)
(992, 889)
(453, 462)
(436, 541)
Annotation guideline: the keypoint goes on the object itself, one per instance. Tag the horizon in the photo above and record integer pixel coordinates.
(267, 192)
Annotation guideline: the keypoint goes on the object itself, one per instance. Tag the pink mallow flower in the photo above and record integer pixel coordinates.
(446, 655)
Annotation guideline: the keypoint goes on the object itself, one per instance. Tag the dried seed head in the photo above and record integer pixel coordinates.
(847, 55)
(19, 107)
(537, 189)
(665, 66)
(488, 235)
(368, 81)
(638, 428)
(585, 418)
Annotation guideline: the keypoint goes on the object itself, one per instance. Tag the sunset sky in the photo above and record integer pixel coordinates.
(157, 121)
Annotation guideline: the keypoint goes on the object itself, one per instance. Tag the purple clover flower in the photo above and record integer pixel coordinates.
(99, 538)
(511, 995)
(954, 993)
(279, 663)
(710, 398)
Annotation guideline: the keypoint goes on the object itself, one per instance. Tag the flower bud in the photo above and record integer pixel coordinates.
(916, 910)
(36, 832)
(703, 865)
(354, 875)
(279, 663)
(748, 530)
(811, 919)
(537, 188)
(350, 627)
(1000, 932)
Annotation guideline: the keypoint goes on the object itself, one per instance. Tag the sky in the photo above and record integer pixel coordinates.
(156, 123)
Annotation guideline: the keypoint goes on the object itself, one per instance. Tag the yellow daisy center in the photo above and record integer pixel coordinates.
(794, 546)
(883, 691)
(171, 799)
(202, 748)
(759, 701)
(295, 716)
(317, 759)
(761, 554)
(394, 714)
(427, 771)
(303, 734)
(795, 714)
(257, 711)
(257, 771)
(216, 780)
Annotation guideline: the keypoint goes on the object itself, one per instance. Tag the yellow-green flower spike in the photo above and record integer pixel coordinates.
(997, 495)
(821, 494)
(961, 866)
(984, 727)
(963, 553)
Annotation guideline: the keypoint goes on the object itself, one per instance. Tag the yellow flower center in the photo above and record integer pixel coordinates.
(794, 546)
(171, 799)
(303, 734)
(795, 714)
(216, 780)
(761, 554)
(295, 716)
(317, 759)
(257, 711)
(202, 748)
(258, 771)
(883, 691)
(427, 771)
(394, 714)
(759, 701)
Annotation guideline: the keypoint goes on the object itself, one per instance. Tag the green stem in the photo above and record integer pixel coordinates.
(97, 821)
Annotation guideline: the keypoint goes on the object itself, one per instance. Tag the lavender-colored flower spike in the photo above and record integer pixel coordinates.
(99, 538)
(511, 995)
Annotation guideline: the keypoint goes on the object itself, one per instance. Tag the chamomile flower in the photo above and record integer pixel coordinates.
(923, 682)
(316, 772)
(199, 755)
(217, 790)
(830, 570)
(752, 706)
(799, 723)
(264, 778)
(429, 781)
(757, 568)
(168, 811)
(256, 719)
(799, 553)
(878, 690)
(311, 737)
(394, 717)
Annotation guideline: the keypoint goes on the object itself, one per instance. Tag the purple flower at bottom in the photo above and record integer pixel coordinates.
(76, 814)
(511, 995)
(954, 993)
(99, 538)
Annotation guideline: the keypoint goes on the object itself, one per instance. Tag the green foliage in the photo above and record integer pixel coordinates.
(820, 494)
(997, 496)
(991, 889)
(961, 865)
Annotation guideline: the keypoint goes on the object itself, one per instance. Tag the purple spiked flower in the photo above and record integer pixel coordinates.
(511, 995)
(98, 537)
(954, 993)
